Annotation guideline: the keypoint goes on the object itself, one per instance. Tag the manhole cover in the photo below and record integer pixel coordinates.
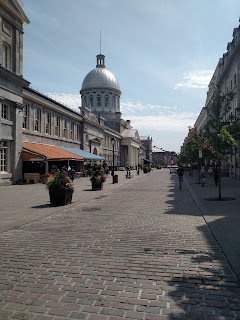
(222, 199)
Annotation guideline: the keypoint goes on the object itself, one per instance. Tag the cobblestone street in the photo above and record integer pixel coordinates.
(141, 251)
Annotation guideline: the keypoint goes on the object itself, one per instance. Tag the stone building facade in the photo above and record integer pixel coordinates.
(12, 19)
(226, 78)
(30, 119)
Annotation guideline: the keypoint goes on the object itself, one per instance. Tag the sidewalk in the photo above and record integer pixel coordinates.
(223, 217)
(21, 204)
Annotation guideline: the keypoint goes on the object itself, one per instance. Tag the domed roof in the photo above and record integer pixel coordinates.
(100, 77)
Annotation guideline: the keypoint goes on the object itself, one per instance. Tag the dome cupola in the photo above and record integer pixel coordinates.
(101, 91)
(100, 77)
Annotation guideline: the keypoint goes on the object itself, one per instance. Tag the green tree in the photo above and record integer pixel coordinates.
(218, 130)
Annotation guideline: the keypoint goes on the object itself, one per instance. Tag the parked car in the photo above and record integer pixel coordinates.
(173, 169)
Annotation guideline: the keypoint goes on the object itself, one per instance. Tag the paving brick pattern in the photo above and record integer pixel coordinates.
(142, 251)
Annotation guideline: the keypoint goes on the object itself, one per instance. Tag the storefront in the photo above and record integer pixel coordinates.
(38, 159)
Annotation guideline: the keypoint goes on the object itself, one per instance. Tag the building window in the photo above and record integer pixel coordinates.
(85, 101)
(106, 101)
(118, 103)
(91, 101)
(57, 126)
(48, 123)
(65, 128)
(235, 78)
(72, 130)
(6, 56)
(5, 111)
(4, 157)
(78, 133)
(98, 100)
(113, 102)
(25, 112)
(37, 120)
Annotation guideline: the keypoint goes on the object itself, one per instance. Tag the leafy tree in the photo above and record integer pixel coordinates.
(218, 130)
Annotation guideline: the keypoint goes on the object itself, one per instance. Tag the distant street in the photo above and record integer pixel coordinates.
(141, 250)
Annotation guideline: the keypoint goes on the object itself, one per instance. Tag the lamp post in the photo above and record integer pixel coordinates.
(113, 141)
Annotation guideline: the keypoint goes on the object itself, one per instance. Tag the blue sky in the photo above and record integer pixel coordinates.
(163, 53)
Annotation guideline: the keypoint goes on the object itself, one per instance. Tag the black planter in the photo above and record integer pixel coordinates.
(97, 185)
(60, 197)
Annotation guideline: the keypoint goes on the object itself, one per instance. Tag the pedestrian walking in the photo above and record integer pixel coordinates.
(180, 176)
(203, 175)
(106, 171)
(71, 173)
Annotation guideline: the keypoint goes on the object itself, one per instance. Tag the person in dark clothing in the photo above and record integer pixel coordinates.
(180, 176)
(72, 173)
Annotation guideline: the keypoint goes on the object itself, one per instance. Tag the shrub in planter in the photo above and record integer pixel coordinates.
(60, 188)
(97, 179)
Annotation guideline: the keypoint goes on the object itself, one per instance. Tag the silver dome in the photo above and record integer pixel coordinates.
(100, 78)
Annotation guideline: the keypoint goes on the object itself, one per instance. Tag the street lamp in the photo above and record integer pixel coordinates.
(113, 141)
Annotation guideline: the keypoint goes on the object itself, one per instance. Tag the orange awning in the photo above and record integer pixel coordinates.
(44, 151)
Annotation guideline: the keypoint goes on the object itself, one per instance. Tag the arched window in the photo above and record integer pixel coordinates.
(113, 102)
(106, 101)
(91, 101)
(118, 103)
(98, 100)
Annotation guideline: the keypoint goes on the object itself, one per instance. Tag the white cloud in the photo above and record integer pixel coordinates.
(158, 118)
(174, 122)
(128, 106)
(72, 101)
(195, 79)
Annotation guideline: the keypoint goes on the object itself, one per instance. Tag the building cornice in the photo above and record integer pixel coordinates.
(229, 62)
(17, 13)
(7, 74)
(40, 98)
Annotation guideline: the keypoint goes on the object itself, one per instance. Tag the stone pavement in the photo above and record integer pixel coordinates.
(21, 204)
(223, 217)
(142, 251)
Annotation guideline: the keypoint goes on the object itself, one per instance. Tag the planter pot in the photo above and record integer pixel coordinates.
(97, 185)
(60, 197)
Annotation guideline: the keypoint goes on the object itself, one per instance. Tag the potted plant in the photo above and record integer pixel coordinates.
(146, 169)
(97, 179)
(60, 188)
(46, 176)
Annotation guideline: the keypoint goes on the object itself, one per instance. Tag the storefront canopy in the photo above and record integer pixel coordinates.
(147, 160)
(36, 151)
(82, 153)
